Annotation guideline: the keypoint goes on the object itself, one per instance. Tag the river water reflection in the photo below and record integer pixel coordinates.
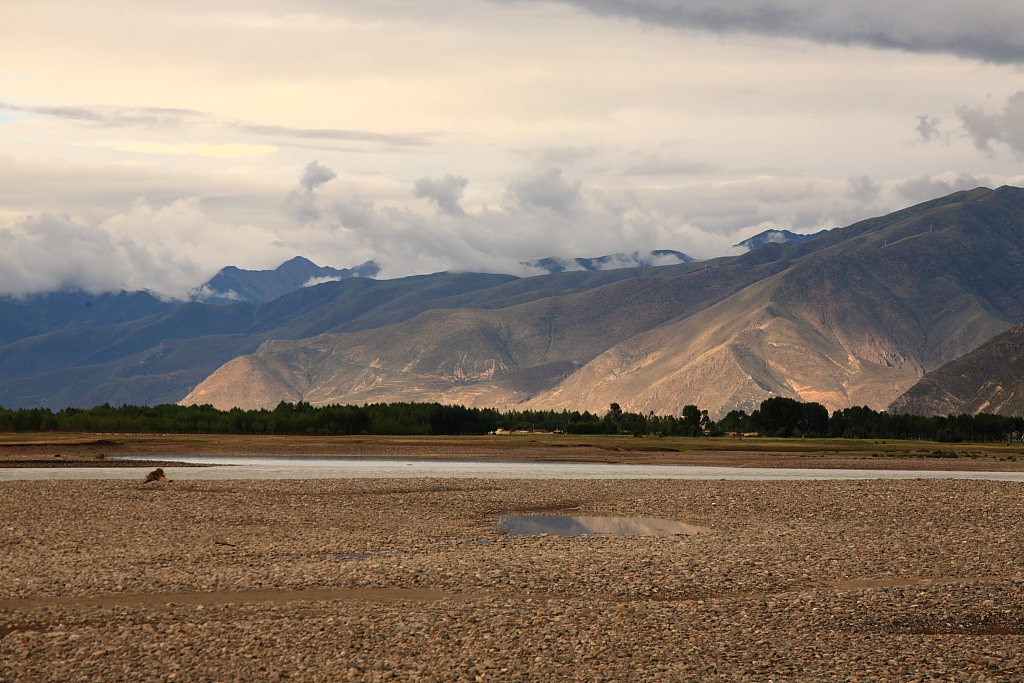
(579, 525)
(300, 467)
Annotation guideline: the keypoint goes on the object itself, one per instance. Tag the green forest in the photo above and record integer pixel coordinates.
(775, 417)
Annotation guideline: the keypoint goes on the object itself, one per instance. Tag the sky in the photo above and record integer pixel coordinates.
(146, 144)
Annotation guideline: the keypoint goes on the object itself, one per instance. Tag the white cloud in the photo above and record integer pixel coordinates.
(314, 281)
(444, 192)
(173, 248)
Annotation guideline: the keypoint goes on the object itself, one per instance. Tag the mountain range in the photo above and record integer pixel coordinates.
(856, 315)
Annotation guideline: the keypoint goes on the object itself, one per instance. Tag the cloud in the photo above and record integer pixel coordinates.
(300, 204)
(225, 151)
(862, 188)
(445, 192)
(656, 165)
(174, 247)
(163, 117)
(114, 117)
(315, 175)
(169, 250)
(547, 190)
(560, 155)
(1006, 127)
(334, 134)
(923, 188)
(960, 27)
(314, 281)
(927, 128)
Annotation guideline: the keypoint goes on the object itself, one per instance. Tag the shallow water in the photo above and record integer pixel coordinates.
(579, 525)
(279, 467)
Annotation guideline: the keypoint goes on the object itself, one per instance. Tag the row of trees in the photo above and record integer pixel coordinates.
(778, 417)
(786, 417)
(376, 418)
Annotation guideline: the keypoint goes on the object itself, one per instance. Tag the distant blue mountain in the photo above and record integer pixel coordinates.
(41, 313)
(235, 285)
(777, 237)
(658, 257)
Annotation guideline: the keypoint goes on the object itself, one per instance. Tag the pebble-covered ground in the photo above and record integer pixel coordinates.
(408, 580)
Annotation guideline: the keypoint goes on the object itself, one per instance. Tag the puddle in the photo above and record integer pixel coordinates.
(574, 525)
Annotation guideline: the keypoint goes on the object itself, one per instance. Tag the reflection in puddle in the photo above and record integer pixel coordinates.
(571, 525)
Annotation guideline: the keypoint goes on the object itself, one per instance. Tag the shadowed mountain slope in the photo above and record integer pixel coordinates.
(853, 316)
(159, 354)
(989, 379)
(41, 313)
(159, 358)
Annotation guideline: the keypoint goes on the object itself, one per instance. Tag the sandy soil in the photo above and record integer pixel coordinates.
(408, 580)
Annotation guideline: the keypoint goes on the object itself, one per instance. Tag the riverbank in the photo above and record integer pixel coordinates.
(85, 450)
(409, 580)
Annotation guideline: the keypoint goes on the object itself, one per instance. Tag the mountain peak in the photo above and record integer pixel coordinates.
(774, 236)
(297, 261)
(234, 285)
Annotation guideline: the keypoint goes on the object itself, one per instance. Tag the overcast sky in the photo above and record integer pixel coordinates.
(145, 144)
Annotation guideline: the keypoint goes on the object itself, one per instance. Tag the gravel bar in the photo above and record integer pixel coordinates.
(408, 580)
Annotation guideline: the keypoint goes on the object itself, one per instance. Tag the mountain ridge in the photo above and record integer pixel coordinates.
(855, 315)
(988, 379)
(657, 257)
(233, 285)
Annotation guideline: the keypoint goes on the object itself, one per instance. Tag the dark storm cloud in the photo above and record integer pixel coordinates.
(991, 32)
(445, 192)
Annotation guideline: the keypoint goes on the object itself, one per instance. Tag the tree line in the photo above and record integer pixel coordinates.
(775, 417)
